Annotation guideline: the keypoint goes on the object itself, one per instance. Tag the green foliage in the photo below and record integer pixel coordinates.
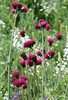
(54, 12)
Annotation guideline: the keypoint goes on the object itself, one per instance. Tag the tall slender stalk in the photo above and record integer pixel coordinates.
(42, 64)
(34, 82)
(9, 58)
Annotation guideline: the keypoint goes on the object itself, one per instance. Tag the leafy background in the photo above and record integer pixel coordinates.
(54, 12)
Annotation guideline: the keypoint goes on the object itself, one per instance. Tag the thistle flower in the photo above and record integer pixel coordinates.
(39, 53)
(59, 36)
(19, 5)
(16, 74)
(24, 86)
(51, 53)
(14, 4)
(22, 33)
(50, 41)
(32, 57)
(43, 23)
(24, 77)
(12, 11)
(23, 55)
(22, 81)
(48, 26)
(22, 63)
(16, 83)
(46, 56)
(38, 61)
(24, 9)
(29, 62)
(36, 26)
(29, 44)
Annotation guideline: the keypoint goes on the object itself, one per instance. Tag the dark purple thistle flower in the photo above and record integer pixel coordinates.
(50, 41)
(39, 53)
(48, 27)
(29, 62)
(16, 74)
(51, 53)
(59, 36)
(22, 63)
(22, 33)
(29, 44)
(24, 77)
(23, 55)
(46, 56)
(38, 61)
(22, 81)
(12, 11)
(19, 5)
(43, 23)
(24, 9)
(32, 57)
(16, 83)
(14, 4)
(36, 26)
(25, 86)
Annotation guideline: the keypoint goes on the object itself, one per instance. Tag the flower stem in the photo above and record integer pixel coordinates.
(42, 64)
(9, 57)
(34, 82)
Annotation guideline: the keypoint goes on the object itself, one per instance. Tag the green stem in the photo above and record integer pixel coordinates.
(9, 58)
(34, 82)
(67, 32)
(42, 64)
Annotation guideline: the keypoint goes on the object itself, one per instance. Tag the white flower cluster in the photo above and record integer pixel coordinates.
(17, 39)
(62, 65)
(2, 23)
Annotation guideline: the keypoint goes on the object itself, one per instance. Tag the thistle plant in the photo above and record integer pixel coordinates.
(26, 83)
(16, 7)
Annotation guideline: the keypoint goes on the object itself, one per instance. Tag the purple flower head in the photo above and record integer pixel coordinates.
(24, 86)
(43, 23)
(22, 63)
(48, 27)
(23, 55)
(22, 33)
(39, 53)
(14, 4)
(46, 56)
(12, 11)
(16, 74)
(24, 9)
(29, 62)
(32, 57)
(16, 83)
(50, 41)
(36, 26)
(59, 36)
(24, 77)
(29, 44)
(51, 53)
(19, 5)
(38, 61)
(22, 81)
